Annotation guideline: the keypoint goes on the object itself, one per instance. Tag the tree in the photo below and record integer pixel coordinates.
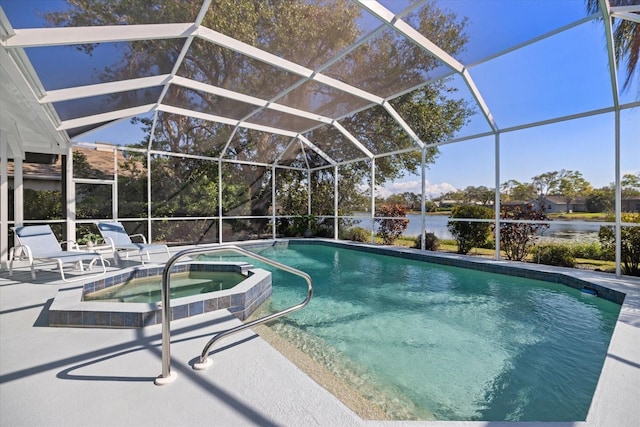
(481, 194)
(630, 184)
(470, 234)
(397, 199)
(413, 200)
(515, 190)
(545, 184)
(458, 196)
(626, 39)
(430, 206)
(390, 228)
(42, 204)
(571, 185)
(629, 243)
(601, 200)
(517, 237)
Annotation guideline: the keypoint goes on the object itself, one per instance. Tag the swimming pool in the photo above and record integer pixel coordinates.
(429, 341)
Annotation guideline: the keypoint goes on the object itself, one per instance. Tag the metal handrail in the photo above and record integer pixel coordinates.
(168, 376)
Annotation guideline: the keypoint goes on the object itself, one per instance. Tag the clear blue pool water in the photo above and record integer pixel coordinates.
(149, 289)
(428, 341)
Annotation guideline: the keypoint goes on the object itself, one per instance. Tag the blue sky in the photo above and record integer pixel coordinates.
(562, 75)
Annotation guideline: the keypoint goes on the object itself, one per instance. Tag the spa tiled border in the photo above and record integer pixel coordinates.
(68, 308)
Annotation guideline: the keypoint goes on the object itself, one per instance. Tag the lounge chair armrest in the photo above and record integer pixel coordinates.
(19, 252)
(109, 241)
(144, 239)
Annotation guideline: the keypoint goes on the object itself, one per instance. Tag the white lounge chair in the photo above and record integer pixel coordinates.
(38, 243)
(116, 236)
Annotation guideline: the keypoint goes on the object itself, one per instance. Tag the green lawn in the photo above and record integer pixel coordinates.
(449, 246)
(585, 216)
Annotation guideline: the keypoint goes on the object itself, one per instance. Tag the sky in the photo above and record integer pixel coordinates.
(562, 75)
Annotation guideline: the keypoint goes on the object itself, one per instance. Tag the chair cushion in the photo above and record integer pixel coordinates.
(39, 238)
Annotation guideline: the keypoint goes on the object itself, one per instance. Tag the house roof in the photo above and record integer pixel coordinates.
(560, 200)
(99, 158)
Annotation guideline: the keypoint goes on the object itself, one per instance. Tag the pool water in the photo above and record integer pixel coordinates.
(427, 341)
(148, 289)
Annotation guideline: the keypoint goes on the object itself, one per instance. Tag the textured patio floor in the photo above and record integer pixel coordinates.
(104, 377)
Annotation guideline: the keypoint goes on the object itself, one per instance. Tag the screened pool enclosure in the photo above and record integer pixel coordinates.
(209, 121)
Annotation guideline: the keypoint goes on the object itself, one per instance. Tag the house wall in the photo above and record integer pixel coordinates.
(40, 184)
(631, 204)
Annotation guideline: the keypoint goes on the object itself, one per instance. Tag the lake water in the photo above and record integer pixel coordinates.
(437, 224)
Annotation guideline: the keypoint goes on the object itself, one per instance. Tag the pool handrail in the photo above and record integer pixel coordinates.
(167, 376)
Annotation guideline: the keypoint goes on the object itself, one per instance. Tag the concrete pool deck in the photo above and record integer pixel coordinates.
(53, 376)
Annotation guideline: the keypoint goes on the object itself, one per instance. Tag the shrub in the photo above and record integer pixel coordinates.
(301, 223)
(553, 254)
(390, 228)
(490, 243)
(470, 234)
(629, 244)
(431, 242)
(590, 250)
(517, 238)
(324, 227)
(357, 234)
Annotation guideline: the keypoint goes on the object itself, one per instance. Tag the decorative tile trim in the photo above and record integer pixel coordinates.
(68, 308)
(510, 268)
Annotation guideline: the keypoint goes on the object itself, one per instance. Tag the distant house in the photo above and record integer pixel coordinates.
(558, 204)
(446, 204)
(41, 174)
(631, 204)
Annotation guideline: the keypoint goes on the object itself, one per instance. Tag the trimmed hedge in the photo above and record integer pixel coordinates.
(357, 234)
(431, 242)
(553, 254)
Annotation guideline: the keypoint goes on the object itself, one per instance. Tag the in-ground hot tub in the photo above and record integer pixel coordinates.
(69, 308)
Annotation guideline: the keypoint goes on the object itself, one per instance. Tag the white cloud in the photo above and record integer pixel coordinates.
(414, 186)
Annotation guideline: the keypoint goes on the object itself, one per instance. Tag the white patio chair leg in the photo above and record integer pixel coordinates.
(61, 270)
(10, 263)
(33, 270)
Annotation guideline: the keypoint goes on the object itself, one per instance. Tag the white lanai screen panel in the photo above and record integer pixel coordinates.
(78, 92)
(204, 102)
(316, 150)
(189, 135)
(335, 144)
(389, 136)
(493, 27)
(253, 146)
(239, 97)
(448, 35)
(290, 67)
(101, 63)
(553, 89)
(292, 155)
(283, 121)
(269, 63)
(234, 71)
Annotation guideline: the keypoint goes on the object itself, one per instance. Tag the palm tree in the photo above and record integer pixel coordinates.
(626, 38)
